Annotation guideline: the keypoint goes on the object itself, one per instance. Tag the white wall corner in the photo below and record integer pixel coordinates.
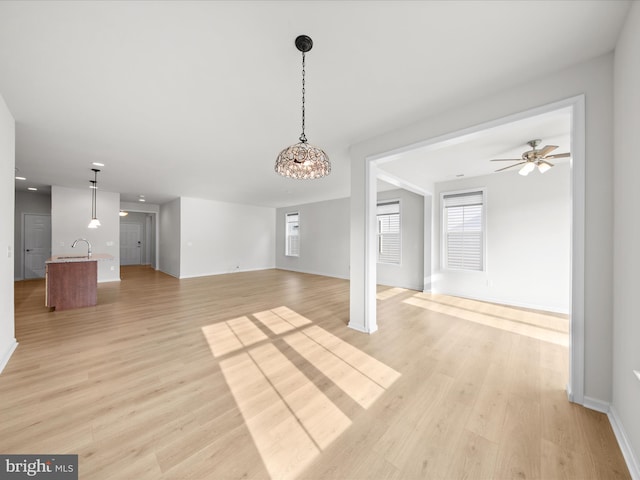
(632, 462)
(623, 441)
(7, 355)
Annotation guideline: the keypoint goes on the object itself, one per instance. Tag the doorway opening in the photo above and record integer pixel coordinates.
(36, 248)
(575, 107)
(138, 239)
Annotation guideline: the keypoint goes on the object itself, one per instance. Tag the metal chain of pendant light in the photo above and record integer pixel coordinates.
(94, 223)
(302, 160)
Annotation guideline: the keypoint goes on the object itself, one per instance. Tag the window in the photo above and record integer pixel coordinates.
(463, 227)
(388, 216)
(292, 235)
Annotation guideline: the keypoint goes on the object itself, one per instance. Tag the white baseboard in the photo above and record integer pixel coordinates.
(109, 280)
(7, 355)
(313, 272)
(597, 405)
(632, 462)
(358, 328)
(569, 393)
(211, 274)
(618, 430)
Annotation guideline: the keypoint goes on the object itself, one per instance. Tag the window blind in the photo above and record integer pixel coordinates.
(464, 230)
(388, 216)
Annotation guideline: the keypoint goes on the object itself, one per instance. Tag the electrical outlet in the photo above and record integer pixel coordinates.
(9, 251)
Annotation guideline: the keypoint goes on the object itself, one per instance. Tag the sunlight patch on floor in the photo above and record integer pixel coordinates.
(390, 292)
(232, 335)
(366, 364)
(491, 320)
(285, 447)
(359, 387)
(290, 419)
(281, 320)
(549, 321)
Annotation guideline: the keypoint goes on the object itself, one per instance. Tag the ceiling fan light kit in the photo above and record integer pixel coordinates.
(302, 160)
(527, 169)
(533, 158)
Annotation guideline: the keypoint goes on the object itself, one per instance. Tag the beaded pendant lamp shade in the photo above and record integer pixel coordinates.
(302, 160)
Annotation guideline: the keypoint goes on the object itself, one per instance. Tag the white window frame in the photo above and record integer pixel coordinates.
(288, 242)
(483, 237)
(379, 235)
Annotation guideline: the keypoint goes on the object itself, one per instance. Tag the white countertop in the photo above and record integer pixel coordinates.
(79, 258)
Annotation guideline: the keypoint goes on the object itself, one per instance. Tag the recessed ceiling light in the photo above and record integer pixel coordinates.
(98, 164)
(33, 189)
(141, 200)
(20, 178)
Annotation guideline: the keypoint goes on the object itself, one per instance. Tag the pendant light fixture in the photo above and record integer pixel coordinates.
(302, 160)
(94, 223)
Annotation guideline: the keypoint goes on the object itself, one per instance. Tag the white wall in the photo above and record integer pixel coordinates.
(410, 272)
(26, 202)
(324, 238)
(219, 237)
(7, 174)
(169, 238)
(70, 216)
(594, 79)
(626, 340)
(528, 236)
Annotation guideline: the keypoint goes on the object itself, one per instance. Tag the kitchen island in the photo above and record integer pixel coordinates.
(72, 281)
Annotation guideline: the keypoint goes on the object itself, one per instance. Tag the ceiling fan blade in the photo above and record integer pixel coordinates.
(558, 155)
(505, 160)
(547, 149)
(510, 166)
(544, 161)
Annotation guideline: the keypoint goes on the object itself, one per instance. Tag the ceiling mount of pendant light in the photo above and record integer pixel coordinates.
(302, 160)
(94, 223)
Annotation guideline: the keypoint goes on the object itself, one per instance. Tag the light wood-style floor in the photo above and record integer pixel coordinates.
(255, 375)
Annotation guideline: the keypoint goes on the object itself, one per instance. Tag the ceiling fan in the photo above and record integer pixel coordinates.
(533, 158)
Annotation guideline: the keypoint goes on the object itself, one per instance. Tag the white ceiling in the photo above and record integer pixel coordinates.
(197, 98)
(471, 155)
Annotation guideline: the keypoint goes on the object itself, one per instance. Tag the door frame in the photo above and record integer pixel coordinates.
(576, 104)
(155, 222)
(24, 240)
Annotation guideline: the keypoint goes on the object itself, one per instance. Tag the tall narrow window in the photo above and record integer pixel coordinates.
(292, 235)
(463, 227)
(388, 216)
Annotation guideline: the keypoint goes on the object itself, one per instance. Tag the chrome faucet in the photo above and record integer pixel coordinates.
(83, 240)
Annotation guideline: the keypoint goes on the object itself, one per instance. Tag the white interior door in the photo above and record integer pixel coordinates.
(130, 244)
(37, 244)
